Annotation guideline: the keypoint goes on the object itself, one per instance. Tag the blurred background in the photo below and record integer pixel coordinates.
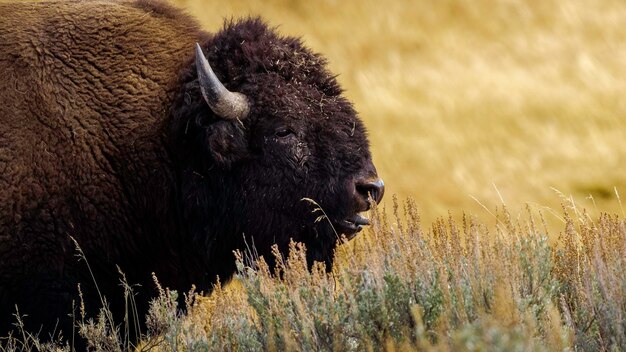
(472, 103)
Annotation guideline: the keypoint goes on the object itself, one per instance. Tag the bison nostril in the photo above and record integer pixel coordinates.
(371, 188)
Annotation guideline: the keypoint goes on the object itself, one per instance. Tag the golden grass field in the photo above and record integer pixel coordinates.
(474, 101)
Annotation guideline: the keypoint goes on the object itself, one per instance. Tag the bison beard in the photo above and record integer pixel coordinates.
(106, 137)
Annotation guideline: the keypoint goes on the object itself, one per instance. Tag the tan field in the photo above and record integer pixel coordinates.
(475, 102)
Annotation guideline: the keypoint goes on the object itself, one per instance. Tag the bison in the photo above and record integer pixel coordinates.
(161, 148)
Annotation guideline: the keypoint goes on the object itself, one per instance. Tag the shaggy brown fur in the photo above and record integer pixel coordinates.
(84, 88)
(104, 137)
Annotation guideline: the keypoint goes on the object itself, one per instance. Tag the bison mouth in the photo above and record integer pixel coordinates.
(351, 225)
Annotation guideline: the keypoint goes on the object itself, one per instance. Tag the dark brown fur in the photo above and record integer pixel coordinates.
(104, 137)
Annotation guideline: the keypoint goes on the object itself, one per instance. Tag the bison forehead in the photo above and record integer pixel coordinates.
(249, 47)
(274, 96)
(307, 112)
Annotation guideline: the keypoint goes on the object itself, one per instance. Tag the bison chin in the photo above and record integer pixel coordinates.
(265, 226)
(327, 235)
(324, 230)
(346, 218)
(322, 238)
(319, 221)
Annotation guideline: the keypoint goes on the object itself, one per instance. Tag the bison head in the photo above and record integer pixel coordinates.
(259, 127)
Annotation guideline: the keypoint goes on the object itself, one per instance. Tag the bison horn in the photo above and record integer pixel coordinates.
(224, 103)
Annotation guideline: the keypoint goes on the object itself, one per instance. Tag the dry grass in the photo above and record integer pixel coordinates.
(462, 95)
(450, 287)
(454, 286)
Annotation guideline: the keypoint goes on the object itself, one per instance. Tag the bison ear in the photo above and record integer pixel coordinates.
(226, 143)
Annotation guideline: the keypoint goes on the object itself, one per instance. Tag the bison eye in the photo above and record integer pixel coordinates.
(283, 132)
